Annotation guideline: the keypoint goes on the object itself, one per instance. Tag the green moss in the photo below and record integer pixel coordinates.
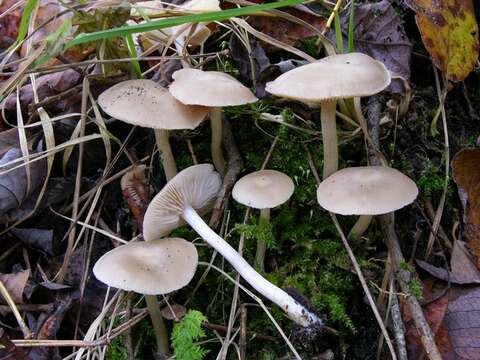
(415, 287)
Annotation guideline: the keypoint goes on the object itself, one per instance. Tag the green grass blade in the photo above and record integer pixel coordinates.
(23, 27)
(351, 24)
(175, 21)
(132, 51)
(338, 33)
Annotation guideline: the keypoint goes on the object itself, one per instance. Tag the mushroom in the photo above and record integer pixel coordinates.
(264, 190)
(366, 190)
(322, 83)
(215, 90)
(195, 188)
(147, 104)
(151, 268)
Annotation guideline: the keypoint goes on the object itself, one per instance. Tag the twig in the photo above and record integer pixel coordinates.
(102, 341)
(403, 278)
(398, 327)
(234, 166)
(243, 333)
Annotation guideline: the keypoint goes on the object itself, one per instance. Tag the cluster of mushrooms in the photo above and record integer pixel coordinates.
(160, 265)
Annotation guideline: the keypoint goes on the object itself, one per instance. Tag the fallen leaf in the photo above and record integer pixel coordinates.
(379, 32)
(14, 184)
(463, 268)
(48, 330)
(8, 139)
(462, 321)
(466, 173)
(40, 239)
(15, 284)
(287, 31)
(250, 63)
(450, 34)
(47, 85)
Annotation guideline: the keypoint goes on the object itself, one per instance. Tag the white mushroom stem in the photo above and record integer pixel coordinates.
(362, 224)
(216, 146)
(261, 244)
(329, 137)
(294, 310)
(166, 154)
(159, 327)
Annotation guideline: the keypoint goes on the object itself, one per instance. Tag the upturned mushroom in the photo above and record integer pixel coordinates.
(322, 83)
(195, 188)
(215, 90)
(147, 104)
(366, 190)
(264, 190)
(151, 268)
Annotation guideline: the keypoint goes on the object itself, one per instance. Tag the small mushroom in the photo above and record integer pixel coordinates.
(215, 90)
(322, 83)
(366, 190)
(195, 188)
(151, 268)
(264, 190)
(147, 104)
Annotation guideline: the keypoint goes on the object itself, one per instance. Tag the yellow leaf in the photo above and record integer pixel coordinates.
(450, 34)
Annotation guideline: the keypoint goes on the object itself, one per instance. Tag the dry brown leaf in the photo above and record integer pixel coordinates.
(434, 311)
(466, 173)
(463, 321)
(14, 189)
(47, 85)
(15, 284)
(287, 31)
(450, 34)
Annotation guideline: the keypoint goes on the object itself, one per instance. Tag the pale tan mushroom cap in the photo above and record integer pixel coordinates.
(264, 189)
(151, 268)
(366, 190)
(196, 186)
(333, 77)
(209, 88)
(145, 103)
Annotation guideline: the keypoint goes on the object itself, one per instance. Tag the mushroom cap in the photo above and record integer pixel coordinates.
(366, 190)
(196, 186)
(264, 189)
(146, 103)
(151, 268)
(330, 78)
(209, 88)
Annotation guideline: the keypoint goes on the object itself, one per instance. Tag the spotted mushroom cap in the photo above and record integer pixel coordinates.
(366, 190)
(146, 103)
(151, 268)
(196, 186)
(264, 189)
(209, 88)
(333, 77)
